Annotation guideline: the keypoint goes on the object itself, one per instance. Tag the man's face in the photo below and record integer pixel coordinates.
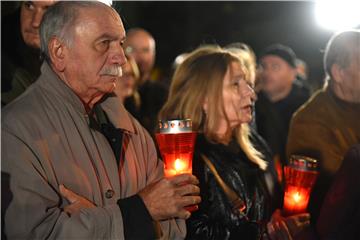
(276, 74)
(141, 46)
(94, 59)
(351, 77)
(31, 14)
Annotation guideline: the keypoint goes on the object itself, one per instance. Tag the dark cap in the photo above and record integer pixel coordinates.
(282, 51)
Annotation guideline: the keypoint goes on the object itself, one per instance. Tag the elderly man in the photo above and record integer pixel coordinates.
(79, 166)
(140, 44)
(20, 49)
(328, 124)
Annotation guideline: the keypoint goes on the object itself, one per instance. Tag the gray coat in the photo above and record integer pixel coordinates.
(47, 141)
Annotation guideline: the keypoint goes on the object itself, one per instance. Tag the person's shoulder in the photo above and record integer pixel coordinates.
(22, 110)
(313, 108)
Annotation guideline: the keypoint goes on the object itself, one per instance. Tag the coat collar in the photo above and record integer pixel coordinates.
(112, 105)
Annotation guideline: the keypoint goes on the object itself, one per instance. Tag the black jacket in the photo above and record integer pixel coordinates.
(215, 219)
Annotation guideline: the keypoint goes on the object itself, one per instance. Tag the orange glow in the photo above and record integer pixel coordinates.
(297, 197)
(179, 165)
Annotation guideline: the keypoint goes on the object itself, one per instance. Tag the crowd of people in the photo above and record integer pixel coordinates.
(80, 111)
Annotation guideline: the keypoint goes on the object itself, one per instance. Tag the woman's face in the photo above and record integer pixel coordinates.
(238, 97)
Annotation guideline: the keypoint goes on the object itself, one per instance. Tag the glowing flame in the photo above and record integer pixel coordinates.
(297, 197)
(179, 165)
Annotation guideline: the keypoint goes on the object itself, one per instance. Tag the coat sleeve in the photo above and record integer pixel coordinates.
(33, 206)
(169, 229)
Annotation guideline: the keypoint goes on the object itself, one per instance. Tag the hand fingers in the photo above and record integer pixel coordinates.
(188, 189)
(184, 178)
(278, 231)
(189, 200)
(297, 224)
(69, 195)
(184, 214)
(284, 230)
(303, 217)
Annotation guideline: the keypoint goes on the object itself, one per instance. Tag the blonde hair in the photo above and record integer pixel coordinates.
(198, 78)
(248, 57)
(136, 73)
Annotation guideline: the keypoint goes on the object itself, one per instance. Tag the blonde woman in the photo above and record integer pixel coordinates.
(212, 88)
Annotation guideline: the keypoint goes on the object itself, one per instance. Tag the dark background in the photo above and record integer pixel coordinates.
(182, 26)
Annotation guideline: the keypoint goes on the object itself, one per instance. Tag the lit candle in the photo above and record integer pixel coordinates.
(176, 142)
(296, 200)
(300, 176)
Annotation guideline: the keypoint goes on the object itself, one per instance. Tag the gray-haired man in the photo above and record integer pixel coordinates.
(79, 165)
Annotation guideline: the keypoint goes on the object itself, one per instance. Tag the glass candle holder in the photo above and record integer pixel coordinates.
(300, 176)
(176, 142)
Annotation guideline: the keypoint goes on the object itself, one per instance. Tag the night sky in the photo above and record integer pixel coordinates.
(182, 26)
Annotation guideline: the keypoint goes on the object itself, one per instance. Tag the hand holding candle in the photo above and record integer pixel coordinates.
(300, 176)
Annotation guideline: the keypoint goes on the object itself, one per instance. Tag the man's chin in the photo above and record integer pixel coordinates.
(33, 43)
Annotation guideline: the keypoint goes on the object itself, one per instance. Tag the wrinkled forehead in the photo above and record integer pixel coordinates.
(100, 17)
(98, 11)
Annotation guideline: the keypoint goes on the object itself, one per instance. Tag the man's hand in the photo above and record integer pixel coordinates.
(283, 228)
(76, 202)
(168, 197)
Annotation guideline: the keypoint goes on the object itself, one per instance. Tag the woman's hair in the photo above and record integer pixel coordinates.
(248, 57)
(136, 73)
(198, 78)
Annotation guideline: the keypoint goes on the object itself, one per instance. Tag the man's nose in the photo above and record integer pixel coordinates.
(36, 18)
(117, 55)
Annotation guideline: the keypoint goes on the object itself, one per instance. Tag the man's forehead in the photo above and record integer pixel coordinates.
(43, 3)
(105, 16)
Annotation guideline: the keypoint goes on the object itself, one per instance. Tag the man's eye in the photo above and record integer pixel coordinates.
(276, 67)
(29, 5)
(103, 45)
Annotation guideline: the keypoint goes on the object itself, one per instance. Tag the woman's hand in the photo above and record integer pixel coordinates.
(283, 228)
(76, 202)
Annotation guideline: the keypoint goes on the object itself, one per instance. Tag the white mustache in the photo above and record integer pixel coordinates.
(114, 71)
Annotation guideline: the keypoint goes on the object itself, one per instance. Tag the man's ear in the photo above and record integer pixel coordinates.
(57, 52)
(337, 73)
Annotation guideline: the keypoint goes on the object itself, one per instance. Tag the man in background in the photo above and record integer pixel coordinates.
(140, 44)
(20, 56)
(328, 124)
(280, 96)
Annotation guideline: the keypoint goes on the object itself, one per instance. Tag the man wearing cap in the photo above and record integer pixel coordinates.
(280, 96)
(328, 124)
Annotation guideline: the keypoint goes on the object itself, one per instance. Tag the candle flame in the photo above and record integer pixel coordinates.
(179, 165)
(297, 197)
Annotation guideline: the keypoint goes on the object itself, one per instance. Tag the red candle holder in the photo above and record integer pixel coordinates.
(300, 176)
(176, 142)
